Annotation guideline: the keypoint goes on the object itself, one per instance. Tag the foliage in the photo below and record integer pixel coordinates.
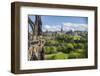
(50, 49)
(66, 46)
(58, 55)
(61, 55)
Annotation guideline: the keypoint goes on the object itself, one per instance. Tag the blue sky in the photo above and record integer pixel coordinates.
(54, 23)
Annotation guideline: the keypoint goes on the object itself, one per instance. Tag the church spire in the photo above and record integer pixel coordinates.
(61, 28)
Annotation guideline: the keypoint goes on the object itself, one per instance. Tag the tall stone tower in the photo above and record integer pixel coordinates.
(61, 28)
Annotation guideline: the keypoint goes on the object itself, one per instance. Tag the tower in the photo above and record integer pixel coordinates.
(61, 28)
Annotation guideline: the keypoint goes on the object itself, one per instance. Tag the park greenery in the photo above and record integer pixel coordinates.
(65, 46)
(53, 45)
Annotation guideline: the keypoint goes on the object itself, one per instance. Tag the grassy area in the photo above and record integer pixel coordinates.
(58, 55)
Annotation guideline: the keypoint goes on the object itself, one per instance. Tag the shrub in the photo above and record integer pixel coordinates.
(79, 50)
(81, 46)
(46, 50)
(50, 49)
(78, 45)
(69, 47)
(53, 49)
(78, 54)
(73, 55)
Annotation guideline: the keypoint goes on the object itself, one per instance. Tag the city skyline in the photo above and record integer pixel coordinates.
(55, 23)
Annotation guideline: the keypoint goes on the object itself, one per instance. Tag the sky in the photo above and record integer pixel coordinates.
(55, 23)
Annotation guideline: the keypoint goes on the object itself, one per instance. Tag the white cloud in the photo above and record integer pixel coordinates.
(51, 28)
(75, 26)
